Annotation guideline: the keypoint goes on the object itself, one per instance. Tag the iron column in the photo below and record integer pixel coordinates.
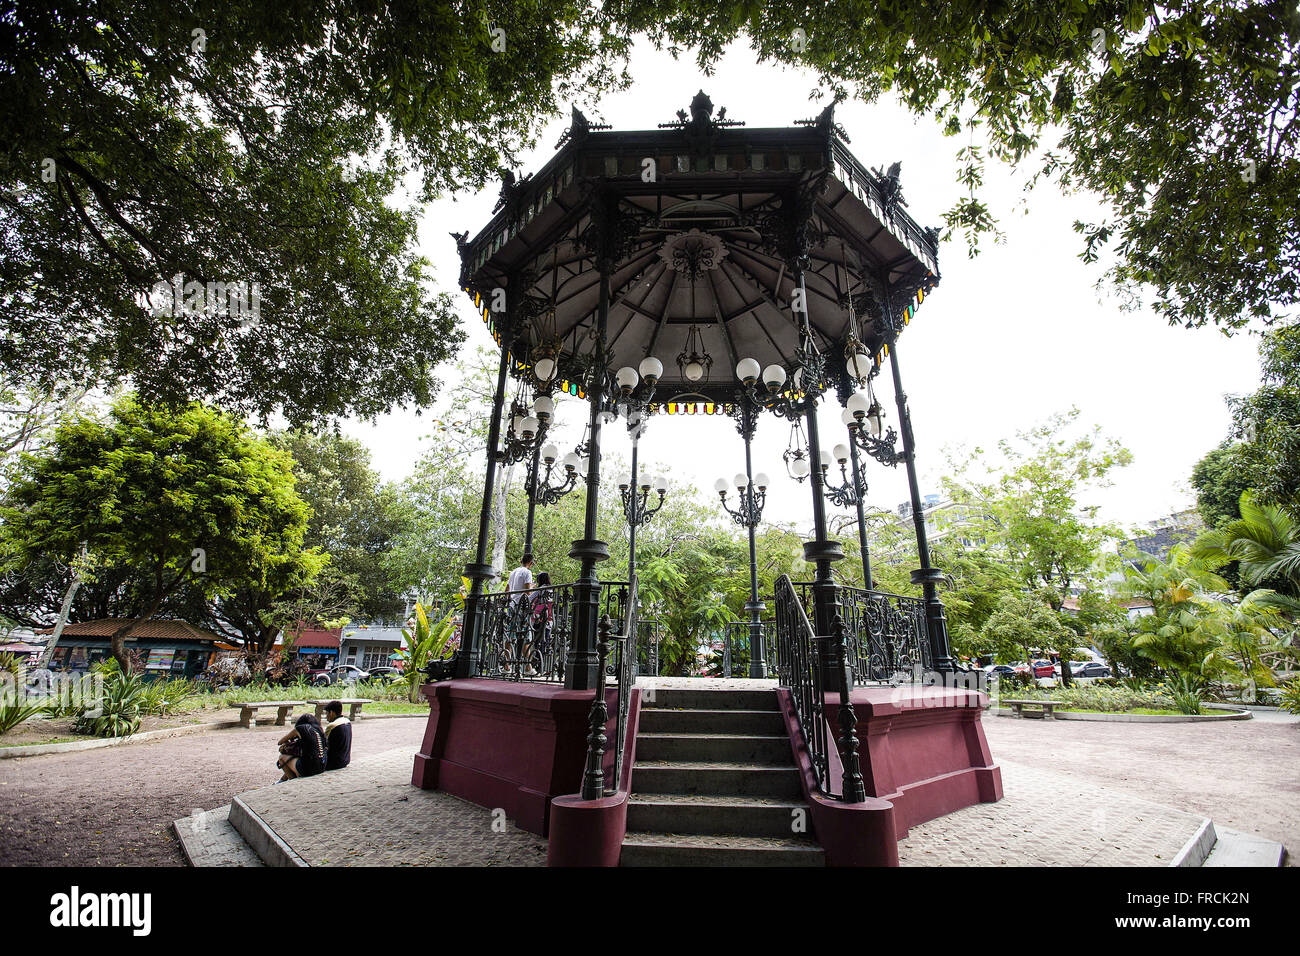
(479, 571)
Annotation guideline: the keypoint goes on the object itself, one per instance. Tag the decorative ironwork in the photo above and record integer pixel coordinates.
(700, 128)
(749, 503)
(795, 456)
(593, 778)
(852, 785)
(734, 658)
(527, 638)
(693, 253)
(635, 510)
(798, 667)
(694, 362)
(848, 493)
(891, 189)
(543, 492)
(886, 634)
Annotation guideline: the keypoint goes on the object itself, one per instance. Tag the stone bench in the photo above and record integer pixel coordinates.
(248, 712)
(354, 705)
(1036, 708)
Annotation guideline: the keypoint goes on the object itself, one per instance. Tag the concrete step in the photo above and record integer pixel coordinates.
(659, 849)
(698, 814)
(1235, 848)
(728, 748)
(687, 699)
(209, 839)
(715, 778)
(660, 720)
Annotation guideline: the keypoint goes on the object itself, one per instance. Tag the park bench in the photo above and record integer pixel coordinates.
(247, 712)
(353, 704)
(1037, 708)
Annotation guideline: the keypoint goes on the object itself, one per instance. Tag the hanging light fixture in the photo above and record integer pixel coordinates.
(694, 362)
(795, 457)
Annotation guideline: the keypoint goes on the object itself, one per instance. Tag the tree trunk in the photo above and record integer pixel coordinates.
(500, 530)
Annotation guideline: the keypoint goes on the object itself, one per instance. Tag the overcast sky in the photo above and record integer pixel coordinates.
(1007, 338)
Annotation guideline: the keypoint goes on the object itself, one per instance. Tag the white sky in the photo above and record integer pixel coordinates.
(1006, 339)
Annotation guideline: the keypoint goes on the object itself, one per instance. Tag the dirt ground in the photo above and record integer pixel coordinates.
(1241, 774)
(114, 806)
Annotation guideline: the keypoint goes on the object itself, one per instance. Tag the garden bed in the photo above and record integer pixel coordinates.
(1139, 715)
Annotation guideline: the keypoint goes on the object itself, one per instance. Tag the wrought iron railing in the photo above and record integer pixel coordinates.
(736, 651)
(798, 667)
(626, 681)
(617, 654)
(886, 633)
(527, 635)
(647, 648)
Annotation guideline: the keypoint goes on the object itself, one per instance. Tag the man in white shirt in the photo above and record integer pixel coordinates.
(520, 580)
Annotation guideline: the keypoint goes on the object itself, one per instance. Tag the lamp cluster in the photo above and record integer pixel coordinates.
(750, 498)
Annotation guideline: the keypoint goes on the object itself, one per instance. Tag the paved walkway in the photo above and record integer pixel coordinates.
(115, 807)
(370, 815)
(1051, 819)
(1243, 774)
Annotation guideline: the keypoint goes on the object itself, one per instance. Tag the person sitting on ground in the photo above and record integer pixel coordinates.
(302, 750)
(338, 737)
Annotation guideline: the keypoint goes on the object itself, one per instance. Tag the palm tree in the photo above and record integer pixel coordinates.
(1265, 543)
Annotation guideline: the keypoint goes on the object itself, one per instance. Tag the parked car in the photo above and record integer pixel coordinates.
(384, 673)
(999, 670)
(342, 674)
(1044, 669)
(1089, 671)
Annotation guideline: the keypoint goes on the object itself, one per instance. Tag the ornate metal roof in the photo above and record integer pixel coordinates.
(700, 224)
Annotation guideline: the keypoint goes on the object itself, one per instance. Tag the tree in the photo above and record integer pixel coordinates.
(1265, 544)
(246, 153)
(1022, 624)
(1181, 116)
(169, 495)
(1220, 478)
(354, 516)
(1269, 420)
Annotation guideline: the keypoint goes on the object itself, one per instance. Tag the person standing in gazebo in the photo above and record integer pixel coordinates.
(520, 580)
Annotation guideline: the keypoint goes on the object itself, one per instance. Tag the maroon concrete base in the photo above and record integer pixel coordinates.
(923, 749)
(590, 832)
(851, 834)
(923, 754)
(500, 744)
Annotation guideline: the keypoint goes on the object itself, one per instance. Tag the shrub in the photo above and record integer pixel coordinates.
(161, 698)
(1290, 697)
(1187, 693)
(13, 714)
(118, 713)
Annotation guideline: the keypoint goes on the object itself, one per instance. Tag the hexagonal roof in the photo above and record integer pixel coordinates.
(700, 210)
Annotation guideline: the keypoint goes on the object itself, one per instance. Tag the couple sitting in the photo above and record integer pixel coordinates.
(309, 749)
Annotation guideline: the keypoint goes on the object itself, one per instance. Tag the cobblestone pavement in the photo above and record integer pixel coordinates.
(1243, 774)
(115, 806)
(1051, 819)
(370, 815)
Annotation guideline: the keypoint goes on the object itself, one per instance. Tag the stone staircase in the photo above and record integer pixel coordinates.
(714, 784)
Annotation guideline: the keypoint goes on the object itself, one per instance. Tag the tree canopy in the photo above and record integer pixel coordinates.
(195, 197)
(167, 497)
(1182, 116)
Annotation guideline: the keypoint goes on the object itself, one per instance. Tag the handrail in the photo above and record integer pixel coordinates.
(798, 667)
(594, 784)
(626, 680)
(886, 633)
(801, 655)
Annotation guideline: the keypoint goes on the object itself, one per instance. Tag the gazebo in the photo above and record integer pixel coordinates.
(703, 267)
